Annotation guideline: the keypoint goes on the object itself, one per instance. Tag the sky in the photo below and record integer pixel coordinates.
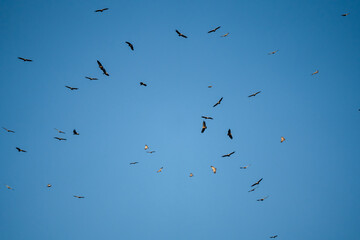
(311, 178)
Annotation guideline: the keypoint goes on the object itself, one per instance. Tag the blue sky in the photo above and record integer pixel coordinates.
(311, 179)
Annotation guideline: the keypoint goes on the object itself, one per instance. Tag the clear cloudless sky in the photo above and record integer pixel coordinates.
(312, 179)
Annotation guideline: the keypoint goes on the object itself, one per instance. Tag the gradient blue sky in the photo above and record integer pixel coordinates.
(312, 178)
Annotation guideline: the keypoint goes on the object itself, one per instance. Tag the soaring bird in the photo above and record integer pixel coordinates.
(8, 130)
(78, 196)
(91, 78)
(245, 167)
(210, 86)
(208, 118)
(60, 139)
(251, 190)
(59, 131)
(146, 147)
(282, 139)
(49, 185)
(20, 150)
(101, 10)
(228, 155)
(203, 127)
(257, 183)
(8, 187)
(75, 132)
(160, 170)
(150, 151)
(262, 199)
(72, 88)
(218, 102)
(254, 94)
(316, 72)
(229, 134)
(25, 59)
(133, 163)
(273, 52)
(102, 68)
(143, 84)
(225, 35)
(130, 45)
(180, 34)
(213, 169)
(214, 30)
(345, 14)
(275, 236)
(191, 175)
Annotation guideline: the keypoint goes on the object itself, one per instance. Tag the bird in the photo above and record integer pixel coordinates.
(254, 94)
(225, 35)
(130, 45)
(102, 68)
(75, 132)
(273, 52)
(101, 10)
(262, 199)
(72, 88)
(60, 139)
(191, 175)
(25, 59)
(49, 185)
(214, 30)
(282, 139)
(210, 86)
(213, 169)
(75, 196)
(160, 170)
(228, 155)
(8, 187)
(133, 163)
(59, 131)
(275, 236)
(257, 183)
(345, 14)
(8, 130)
(203, 127)
(180, 34)
(91, 78)
(229, 134)
(146, 147)
(208, 118)
(150, 151)
(20, 150)
(245, 167)
(316, 72)
(143, 84)
(251, 190)
(218, 102)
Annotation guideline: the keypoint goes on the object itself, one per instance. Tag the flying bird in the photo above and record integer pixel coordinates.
(130, 45)
(101, 10)
(150, 151)
(75, 132)
(8, 187)
(251, 190)
(214, 30)
(102, 68)
(229, 134)
(273, 52)
(191, 175)
(282, 139)
(90, 78)
(208, 118)
(146, 147)
(60, 139)
(262, 199)
(78, 196)
(49, 185)
(25, 59)
(254, 94)
(160, 170)
(218, 102)
(345, 14)
(180, 34)
(72, 88)
(59, 131)
(225, 35)
(210, 86)
(203, 127)
(20, 150)
(213, 169)
(143, 84)
(257, 183)
(275, 236)
(228, 155)
(133, 163)
(8, 130)
(316, 72)
(245, 167)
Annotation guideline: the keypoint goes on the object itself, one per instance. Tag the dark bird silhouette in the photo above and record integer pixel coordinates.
(133, 163)
(160, 170)
(208, 118)
(345, 14)
(273, 52)
(130, 45)
(90, 78)
(218, 102)
(143, 84)
(254, 94)
(60, 139)
(251, 190)
(245, 167)
(229, 134)
(213, 169)
(150, 151)
(8, 130)
(180, 34)
(72, 88)
(203, 127)
(191, 175)
(101, 10)
(210, 86)
(257, 183)
(59, 131)
(262, 199)
(25, 59)
(75, 132)
(102, 68)
(275, 236)
(316, 72)
(49, 185)
(214, 30)
(225, 35)
(228, 155)
(20, 150)
(75, 196)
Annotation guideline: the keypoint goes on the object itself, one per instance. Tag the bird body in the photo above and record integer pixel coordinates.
(49, 185)
(207, 118)
(214, 30)
(59, 131)
(160, 170)
(262, 199)
(75, 132)
(130, 45)
(60, 139)
(25, 59)
(229, 134)
(20, 150)
(273, 52)
(257, 183)
(225, 35)
(282, 139)
(203, 127)
(8, 130)
(191, 175)
(228, 155)
(316, 72)
(101, 10)
(218, 102)
(345, 14)
(91, 78)
(213, 169)
(143, 84)
(254, 94)
(75, 196)
(102, 68)
(133, 163)
(180, 34)
(71, 88)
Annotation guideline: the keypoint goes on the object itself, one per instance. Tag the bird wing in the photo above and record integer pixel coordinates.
(178, 32)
